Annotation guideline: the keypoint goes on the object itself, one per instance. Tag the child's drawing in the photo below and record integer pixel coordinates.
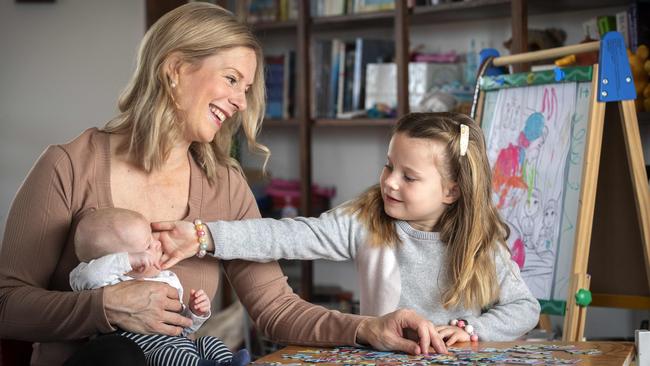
(529, 140)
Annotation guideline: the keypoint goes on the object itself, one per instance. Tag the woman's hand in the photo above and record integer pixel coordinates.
(179, 241)
(145, 307)
(452, 334)
(388, 333)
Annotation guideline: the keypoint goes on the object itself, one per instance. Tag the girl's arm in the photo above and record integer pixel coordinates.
(331, 236)
(515, 313)
(334, 235)
(286, 318)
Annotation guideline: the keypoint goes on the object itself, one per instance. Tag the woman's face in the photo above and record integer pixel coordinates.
(209, 93)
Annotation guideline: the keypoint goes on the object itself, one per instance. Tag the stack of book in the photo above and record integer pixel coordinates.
(280, 85)
(631, 23)
(339, 74)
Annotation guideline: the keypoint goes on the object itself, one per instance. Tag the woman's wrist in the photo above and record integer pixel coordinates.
(362, 332)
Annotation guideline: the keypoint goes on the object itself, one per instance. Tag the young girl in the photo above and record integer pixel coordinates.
(428, 237)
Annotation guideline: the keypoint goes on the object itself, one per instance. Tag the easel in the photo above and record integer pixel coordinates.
(611, 82)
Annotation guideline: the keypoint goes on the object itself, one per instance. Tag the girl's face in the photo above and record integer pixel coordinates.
(412, 187)
(213, 91)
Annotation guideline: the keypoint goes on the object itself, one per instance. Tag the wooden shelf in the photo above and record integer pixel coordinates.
(536, 7)
(486, 9)
(441, 13)
(467, 10)
(286, 26)
(355, 122)
(350, 21)
(274, 122)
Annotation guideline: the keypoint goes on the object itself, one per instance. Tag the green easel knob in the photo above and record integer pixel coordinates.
(583, 297)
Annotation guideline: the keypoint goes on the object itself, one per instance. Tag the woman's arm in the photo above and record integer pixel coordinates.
(34, 246)
(34, 241)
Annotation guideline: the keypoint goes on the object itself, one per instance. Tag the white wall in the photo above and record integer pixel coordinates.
(63, 66)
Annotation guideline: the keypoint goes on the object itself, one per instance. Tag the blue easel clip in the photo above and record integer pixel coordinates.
(559, 74)
(615, 81)
(491, 71)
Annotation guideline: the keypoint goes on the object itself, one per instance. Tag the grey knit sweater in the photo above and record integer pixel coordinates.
(410, 275)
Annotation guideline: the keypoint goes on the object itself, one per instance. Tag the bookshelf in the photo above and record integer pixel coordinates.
(300, 32)
(399, 22)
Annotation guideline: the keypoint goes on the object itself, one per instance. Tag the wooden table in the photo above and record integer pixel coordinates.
(613, 353)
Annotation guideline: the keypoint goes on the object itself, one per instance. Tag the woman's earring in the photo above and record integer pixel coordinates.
(172, 84)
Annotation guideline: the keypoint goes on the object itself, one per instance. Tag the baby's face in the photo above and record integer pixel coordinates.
(144, 241)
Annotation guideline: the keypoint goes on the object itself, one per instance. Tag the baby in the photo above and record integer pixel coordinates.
(115, 245)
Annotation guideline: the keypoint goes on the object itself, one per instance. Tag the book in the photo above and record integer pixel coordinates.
(289, 85)
(622, 27)
(590, 28)
(606, 23)
(322, 62)
(274, 85)
(367, 51)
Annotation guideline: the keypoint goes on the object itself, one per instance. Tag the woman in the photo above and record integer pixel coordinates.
(199, 79)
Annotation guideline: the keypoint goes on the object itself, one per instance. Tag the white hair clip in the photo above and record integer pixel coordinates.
(464, 139)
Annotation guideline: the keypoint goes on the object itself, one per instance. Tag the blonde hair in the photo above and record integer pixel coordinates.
(106, 231)
(148, 115)
(471, 227)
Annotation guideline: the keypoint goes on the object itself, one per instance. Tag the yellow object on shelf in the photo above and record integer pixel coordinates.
(566, 61)
(640, 66)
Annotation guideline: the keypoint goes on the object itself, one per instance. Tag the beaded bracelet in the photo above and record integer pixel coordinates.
(202, 238)
(462, 324)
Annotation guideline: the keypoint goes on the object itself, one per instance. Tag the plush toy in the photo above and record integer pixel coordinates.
(542, 39)
(640, 66)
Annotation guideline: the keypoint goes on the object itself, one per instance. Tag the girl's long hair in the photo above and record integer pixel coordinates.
(148, 114)
(471, 226)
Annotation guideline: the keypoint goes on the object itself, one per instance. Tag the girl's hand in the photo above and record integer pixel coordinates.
(199, 302)
(387, 333)
(452, 334)
(179, 241)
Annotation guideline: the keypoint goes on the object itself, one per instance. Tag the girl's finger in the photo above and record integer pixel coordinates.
(163, 225)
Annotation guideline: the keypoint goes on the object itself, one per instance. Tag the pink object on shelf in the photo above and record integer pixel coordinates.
(283, 192)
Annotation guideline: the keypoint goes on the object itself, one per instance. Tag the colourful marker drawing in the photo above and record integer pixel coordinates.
(529, 143)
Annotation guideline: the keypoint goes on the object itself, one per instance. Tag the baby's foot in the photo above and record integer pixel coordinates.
(239, 358)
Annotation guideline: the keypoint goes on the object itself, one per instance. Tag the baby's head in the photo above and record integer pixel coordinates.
(114, 230)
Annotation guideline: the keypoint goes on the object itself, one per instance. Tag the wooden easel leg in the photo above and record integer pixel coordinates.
(586, 207)
(574, 320)
(545, 323)
(634, 151)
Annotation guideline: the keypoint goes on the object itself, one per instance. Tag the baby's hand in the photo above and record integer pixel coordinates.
(199, 302)
(142, 260)
(452, 334)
